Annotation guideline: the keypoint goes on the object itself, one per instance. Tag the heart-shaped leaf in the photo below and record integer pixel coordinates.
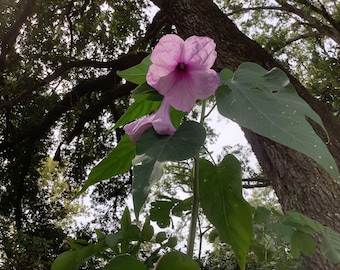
(153, 150)
(267, 103)
(220, 189)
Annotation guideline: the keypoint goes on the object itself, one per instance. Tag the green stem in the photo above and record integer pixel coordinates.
(196, 200)
(194, 211)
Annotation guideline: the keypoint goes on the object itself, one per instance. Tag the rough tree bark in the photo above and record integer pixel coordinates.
(298, 181)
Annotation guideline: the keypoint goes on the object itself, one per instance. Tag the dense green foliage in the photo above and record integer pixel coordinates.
(60, 97)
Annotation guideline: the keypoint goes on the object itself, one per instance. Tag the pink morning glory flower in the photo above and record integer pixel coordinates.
(160, 121)
(181, 70)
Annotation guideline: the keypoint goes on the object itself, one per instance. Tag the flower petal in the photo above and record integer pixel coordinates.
(163, 84)
(181, 70)
(199, 52)
(204, 83)
(168, 51)
(180, 95)
(136, 128)
(162, 122)
(176, 88)
(155, 73)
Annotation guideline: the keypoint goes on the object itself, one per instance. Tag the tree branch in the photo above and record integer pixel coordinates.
(323, 12)
(257, 182)
(93, 112)
(122, 63)
(159, 25)
(242, 10)
(324, 29)
(9, 38)
(70, 26)
(313, 21)
(299, 37)
(107, 83)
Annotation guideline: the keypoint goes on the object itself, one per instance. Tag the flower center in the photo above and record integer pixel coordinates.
(181, 67)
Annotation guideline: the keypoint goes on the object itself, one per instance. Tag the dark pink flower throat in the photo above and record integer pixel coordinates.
(181, 67)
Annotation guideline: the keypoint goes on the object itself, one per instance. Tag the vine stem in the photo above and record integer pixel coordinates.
(196, 198)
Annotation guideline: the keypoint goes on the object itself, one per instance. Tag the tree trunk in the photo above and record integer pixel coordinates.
(298, 181)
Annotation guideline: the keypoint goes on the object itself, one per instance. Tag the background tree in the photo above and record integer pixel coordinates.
(50, 219)
(59, 96)
(60, 92)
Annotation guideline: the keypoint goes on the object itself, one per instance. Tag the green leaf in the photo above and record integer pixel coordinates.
(112, 240)
(124, 262)
(145, 105)
(261, 215)
(135, 249)
(117, 162)
(176, 260)
(302, 242)
(161, 209)
(147, 231)
(269, 242)
(330, 245)
(66, 261)
(154, 150)
(260, 251)
(184, 144)
(284, 231)
(176, 117)
(220, 190)
(160, 212)
(267, 103)
(301, 222)
(125, 221)
(77, 243)
(145, 175)
(145, 91)
(182, 206)
(71, 260)
(99, 234)
(226, 75)
(137, 110)
(172, 242)
(136, 74)
(213, 235)
(160, 237)
(132, 233)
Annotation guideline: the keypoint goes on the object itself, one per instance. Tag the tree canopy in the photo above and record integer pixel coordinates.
(60, 97)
